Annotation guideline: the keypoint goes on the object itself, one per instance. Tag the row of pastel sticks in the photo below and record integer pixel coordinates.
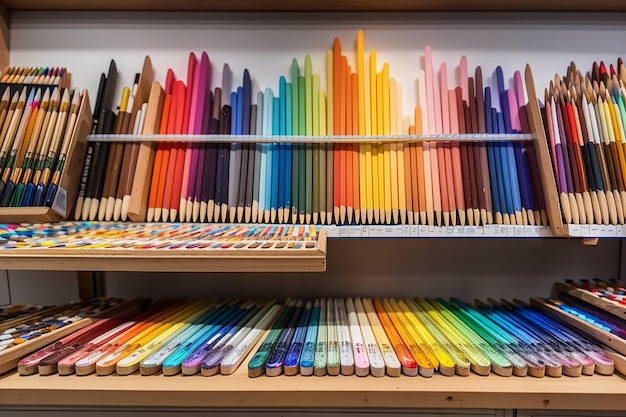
(37, 126)
(164, 236)
(418, 336)
(171, 336)
(16, 331)
(611, 289)
(35, 75)
(594, 316)
(437, 183)
(328, 336)
(585, 120)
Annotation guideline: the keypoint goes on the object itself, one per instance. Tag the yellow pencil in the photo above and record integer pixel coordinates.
(374, 119)
(382, 189)
(387, 146)
(393, 102)
(363, 99)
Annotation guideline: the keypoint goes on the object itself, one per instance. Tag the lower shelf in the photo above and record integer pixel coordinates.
(237, 390)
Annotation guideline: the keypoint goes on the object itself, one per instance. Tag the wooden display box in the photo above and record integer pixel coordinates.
(69, 182)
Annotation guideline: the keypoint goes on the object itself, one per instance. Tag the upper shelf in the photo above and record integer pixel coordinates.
(321, 5)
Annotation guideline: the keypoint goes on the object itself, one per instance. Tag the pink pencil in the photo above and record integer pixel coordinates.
(199, 150)
(192, 71)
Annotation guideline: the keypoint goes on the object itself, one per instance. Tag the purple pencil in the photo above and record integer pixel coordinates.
(203, 111)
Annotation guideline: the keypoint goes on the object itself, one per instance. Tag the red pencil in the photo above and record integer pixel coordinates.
(178, 154)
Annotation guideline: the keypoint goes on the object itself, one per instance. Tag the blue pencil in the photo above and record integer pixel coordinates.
(498, 168)
(269, 109)
(282, 131)
(491, 157)
(274, 365)
(247, 167)
(243, 113)
(263, 184)
(172, 365)
(224, 331)
(288, 151)
(510, 156)
(506, 177)
(211, 364)
(307, 358)
(276, 162)
(234, 166)
(292, 360)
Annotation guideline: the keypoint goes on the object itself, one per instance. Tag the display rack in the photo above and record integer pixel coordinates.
(237, 390)
(242, 256)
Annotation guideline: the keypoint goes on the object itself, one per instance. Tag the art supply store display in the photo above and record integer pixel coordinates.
(197, 163)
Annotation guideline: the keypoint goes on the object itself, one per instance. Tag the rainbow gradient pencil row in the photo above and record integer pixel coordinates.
(157, 236)
(442, 183)
(585, 119)
(345, 336)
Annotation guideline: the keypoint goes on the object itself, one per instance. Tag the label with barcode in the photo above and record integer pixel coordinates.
(60, 202)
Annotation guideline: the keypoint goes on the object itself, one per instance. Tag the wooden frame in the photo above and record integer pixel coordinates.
(322, 5)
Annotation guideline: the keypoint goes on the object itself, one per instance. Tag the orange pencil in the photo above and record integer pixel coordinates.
(348, 198)
(420, 172)
(160, 172)
(175, 109)
(398, 195)
(355, 150)
(364, 125)
(412, 176)
(383, 191)
(165, 150)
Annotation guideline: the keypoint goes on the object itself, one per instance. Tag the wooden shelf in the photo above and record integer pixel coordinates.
(237, 391)
(305, 260)
(311, 257)
(321, 5)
